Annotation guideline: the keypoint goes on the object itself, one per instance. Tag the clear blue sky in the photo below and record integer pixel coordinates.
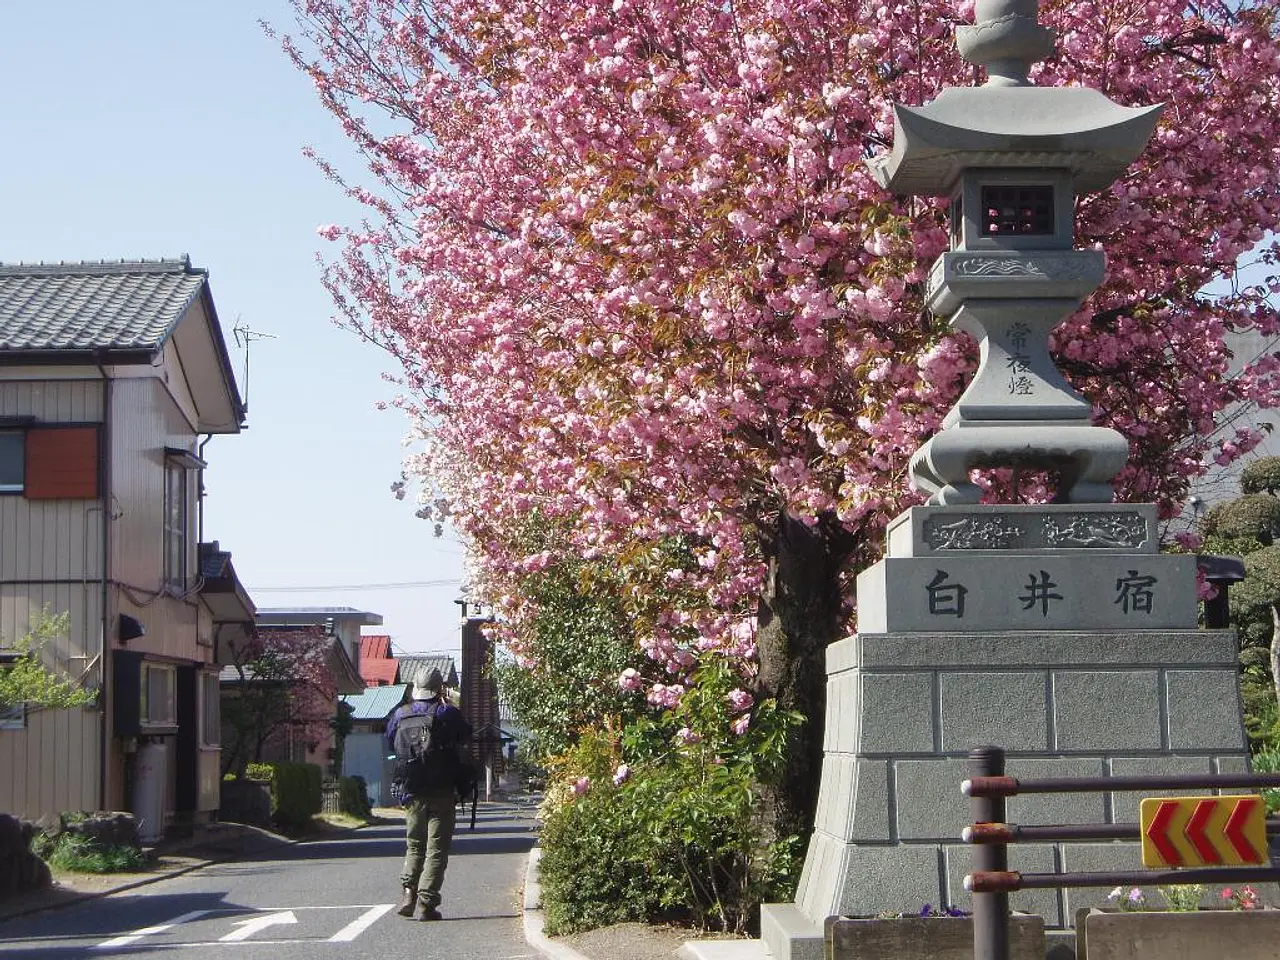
(144, 128)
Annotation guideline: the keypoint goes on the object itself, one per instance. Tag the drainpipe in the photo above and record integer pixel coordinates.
(106, 687)
(200, 490)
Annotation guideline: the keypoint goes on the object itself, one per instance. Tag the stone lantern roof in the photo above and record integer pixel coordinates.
(1008, 123)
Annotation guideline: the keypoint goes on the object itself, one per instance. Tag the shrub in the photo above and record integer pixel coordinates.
(1269, 762)
(353, 797)
(1261, 476)
(677, 832)
(295, 791)
(595, 866)
(82, 855)
(1255, 516)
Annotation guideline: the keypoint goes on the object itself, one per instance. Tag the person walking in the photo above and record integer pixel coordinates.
(427, 738)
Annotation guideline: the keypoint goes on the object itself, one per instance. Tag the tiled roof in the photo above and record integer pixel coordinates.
(94, 305)
(376, 703)
(377, 666)
(213, 562)
(379, 673)
(412, 667)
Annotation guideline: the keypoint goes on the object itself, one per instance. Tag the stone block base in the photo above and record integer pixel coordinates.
(789, 934)
(903, 711)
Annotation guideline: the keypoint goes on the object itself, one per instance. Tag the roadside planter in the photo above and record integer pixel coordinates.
(1186, 935)
(925, 938)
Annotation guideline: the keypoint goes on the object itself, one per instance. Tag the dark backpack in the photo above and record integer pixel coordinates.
(426, 754)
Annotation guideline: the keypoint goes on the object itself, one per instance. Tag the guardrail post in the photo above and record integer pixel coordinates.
(990, 910)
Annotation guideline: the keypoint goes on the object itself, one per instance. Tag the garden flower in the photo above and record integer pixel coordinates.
(630, 680)
(621, 775)
(739, 726)
(688, 736)
(740, 700)
(581, 785)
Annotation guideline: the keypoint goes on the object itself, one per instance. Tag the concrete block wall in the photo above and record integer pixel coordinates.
(903, 710)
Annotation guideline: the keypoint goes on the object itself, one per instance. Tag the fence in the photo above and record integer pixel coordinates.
(331, 797)
(992, 881)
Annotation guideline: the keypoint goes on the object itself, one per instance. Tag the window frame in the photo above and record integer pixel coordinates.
(21, 486)
(13, 718)
(145, 720)
(210, 700)
(176, 523)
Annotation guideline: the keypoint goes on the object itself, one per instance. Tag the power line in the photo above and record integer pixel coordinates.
(404, 585)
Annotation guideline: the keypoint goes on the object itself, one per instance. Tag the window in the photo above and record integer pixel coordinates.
(159, 708)
(13, 718)
(13, 461)
(176, 522)
(1017, 210)
(210, 714)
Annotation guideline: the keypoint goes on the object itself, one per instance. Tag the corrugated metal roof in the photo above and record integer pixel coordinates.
(376, 703)
(412, 667)
(86, 305)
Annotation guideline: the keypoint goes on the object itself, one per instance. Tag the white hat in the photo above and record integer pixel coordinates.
(428, 687)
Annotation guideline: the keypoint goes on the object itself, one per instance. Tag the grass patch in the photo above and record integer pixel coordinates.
(344, 821)
(79, 855)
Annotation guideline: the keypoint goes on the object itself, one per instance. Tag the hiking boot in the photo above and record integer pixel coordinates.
(423, 912)
(408, 902)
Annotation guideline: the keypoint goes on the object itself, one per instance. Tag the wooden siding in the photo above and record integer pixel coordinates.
(52, 400)
(145, 421)
(52, 765)
(51, 558)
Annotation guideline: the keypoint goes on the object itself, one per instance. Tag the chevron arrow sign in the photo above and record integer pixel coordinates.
(1203, 831)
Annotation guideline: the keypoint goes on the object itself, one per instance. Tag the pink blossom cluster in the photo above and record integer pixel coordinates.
(643, 285)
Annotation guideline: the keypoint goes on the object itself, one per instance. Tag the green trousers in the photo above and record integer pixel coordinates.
(428, 831)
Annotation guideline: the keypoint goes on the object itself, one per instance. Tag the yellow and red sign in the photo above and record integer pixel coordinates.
(1204, 831)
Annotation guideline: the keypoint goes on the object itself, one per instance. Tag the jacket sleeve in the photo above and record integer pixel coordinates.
(391, 731)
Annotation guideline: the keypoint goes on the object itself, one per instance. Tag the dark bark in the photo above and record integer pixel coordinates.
(799, 617)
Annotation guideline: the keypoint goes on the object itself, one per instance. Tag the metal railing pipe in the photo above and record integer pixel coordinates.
(990, 908)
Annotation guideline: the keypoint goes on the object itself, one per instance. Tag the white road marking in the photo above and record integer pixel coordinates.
(257, 924)
(360, 924)
(148, 931)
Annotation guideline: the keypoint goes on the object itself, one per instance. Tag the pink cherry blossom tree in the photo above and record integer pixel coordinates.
(644, 288)
(285, 692)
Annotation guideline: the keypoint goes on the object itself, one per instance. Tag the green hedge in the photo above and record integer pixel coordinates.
(295, 790)
(353, 797)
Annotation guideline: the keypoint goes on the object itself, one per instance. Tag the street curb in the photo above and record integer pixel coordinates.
(534, 918)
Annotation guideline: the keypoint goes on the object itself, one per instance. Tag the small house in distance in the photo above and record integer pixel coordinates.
(366, 753)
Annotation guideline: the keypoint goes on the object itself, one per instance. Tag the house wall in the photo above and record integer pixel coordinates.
(349, 633)
(151, 410)
(51, 558)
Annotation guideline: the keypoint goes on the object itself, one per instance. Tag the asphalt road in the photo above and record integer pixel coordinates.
(315, 901)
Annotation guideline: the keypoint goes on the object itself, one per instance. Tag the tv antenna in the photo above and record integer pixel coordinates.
(244, 336)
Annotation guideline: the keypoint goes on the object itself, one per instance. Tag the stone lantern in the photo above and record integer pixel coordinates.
(1012, 158)
(1057, 631)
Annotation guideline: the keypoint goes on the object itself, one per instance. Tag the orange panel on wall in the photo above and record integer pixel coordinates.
(62, 463)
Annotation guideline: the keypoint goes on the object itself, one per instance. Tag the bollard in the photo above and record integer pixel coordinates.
(990, 910)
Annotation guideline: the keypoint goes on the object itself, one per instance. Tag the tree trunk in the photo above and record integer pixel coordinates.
(799, 617)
